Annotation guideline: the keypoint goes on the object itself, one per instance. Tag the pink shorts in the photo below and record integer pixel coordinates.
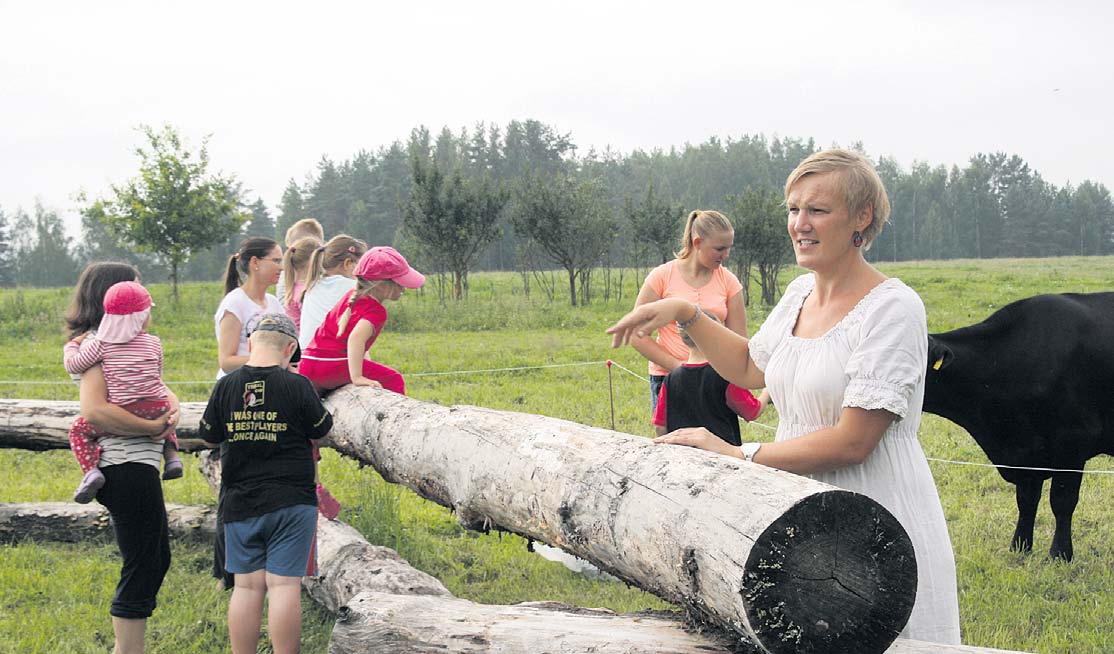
(327, 374)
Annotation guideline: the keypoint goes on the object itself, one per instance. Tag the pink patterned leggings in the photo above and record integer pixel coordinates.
(83, 436)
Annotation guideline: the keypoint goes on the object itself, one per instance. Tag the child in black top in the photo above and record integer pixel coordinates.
(265, 418)
(695, 395)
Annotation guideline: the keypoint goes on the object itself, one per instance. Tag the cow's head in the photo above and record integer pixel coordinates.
(939, 354)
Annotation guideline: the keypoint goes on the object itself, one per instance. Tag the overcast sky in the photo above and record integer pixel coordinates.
(277, 85)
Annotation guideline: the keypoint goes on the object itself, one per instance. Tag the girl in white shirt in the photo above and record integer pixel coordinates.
(250, 272)
(332, 273)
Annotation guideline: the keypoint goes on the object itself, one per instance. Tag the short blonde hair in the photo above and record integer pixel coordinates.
(276, 341)
(861, 185)
(303, 228)
(703, 224)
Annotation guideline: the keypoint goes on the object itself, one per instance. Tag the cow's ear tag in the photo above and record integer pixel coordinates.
(939, 362)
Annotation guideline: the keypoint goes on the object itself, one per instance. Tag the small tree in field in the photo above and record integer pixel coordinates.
(761, 240)
(452, 219)
(175, 207)
(568, 220)
(655, 224)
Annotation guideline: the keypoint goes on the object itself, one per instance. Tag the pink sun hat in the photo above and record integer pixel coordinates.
(384, 262)
(126, 308)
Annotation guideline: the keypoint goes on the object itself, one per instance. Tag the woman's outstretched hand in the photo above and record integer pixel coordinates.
(701, 439)
(645, 318)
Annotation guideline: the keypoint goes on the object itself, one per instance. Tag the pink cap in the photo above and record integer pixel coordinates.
(123, 298)
(384, 262)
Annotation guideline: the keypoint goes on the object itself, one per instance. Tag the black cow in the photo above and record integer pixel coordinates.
(1034, 386)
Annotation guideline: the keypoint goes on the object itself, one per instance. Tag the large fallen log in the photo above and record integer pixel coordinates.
(746, 547)
(68, 522)
(45, 424)
(790, 564)
(384, 605)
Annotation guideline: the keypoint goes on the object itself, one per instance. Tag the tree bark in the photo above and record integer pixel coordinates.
(68, 522)
(44, 424)
(373, 623)
(790, 564)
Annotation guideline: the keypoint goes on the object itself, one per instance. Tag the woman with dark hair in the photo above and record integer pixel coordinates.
(250, 272)
(131, 455)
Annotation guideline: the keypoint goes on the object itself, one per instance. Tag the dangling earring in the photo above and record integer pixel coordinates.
(857, 239)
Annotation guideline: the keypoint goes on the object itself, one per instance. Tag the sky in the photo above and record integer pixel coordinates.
(275, 86)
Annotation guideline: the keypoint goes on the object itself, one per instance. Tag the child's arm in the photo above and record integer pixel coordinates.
(357, 339)
(78, 359)
(743, 402)
(659, 414)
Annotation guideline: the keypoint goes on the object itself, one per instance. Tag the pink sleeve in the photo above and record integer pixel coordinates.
(656, 280)
(731, 285)
(78, 359)
(372, 312)
(742, 402)
(659, 412)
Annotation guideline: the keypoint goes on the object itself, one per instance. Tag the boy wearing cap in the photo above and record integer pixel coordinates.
(335, 356)
(264, 417)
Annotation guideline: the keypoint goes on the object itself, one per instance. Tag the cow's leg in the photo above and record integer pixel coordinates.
(1028, 497)
(1063, 496)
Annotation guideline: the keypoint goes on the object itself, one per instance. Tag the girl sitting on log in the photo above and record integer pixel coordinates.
(337, 355)
(332, 273)
(132, 363)
(295, 270)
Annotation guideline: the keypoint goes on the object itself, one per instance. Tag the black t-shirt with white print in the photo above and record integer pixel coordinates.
(264, 419)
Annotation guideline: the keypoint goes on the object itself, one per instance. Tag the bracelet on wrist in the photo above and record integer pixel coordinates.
(691, 321)
(749, 450)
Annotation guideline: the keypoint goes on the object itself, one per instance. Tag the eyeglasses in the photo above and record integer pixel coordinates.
(275, 260)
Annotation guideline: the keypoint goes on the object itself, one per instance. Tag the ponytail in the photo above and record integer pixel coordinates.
(231, 276)
(296, 260)
(334, 253)
(701, 223)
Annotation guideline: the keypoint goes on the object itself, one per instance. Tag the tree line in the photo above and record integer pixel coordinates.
(523, 197)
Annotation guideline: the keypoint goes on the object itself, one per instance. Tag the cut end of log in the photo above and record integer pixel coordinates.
(835, 574)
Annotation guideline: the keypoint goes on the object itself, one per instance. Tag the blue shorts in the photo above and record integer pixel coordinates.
(282, 542)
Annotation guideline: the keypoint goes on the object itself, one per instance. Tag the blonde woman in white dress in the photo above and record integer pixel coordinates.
(843, 356)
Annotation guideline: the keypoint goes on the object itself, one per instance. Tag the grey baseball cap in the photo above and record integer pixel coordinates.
(283, 324)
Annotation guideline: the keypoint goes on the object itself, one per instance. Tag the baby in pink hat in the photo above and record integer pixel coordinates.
(335, 356)
(132, 363)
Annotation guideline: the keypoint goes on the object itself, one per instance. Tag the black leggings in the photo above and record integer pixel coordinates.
(132, 493)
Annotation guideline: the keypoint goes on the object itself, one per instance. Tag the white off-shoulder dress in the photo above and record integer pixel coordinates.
(874, 358)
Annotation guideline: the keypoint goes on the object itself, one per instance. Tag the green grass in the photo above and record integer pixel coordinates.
(1007, 600)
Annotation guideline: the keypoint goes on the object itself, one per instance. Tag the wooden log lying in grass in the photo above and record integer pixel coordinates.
(384, 605)
(45, 424)
(790, 564)
(374, 623)
(68, 522)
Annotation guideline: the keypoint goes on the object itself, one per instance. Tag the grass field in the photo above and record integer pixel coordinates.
(53, 598)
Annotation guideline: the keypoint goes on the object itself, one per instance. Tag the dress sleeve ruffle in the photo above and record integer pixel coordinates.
(886, 367)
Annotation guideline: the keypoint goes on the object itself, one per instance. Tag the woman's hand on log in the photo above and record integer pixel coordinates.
(701, 439)
(645, 318)
(364, 381)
